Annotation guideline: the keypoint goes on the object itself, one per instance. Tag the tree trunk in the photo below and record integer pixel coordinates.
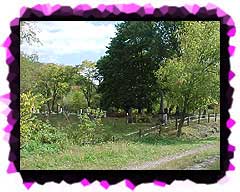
(88, 102)
(53, 103)
(170, 109)
(204, 113)
(161, 105)
(49, 108)
(182, 116)
(139, 110)
(130, 118)
(149, 109)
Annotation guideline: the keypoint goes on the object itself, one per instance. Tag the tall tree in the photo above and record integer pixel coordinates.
(127, 69)
(192, 79)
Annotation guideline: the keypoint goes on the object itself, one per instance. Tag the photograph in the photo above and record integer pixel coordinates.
(120, 95)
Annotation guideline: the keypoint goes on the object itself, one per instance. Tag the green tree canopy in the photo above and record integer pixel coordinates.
(192, 79)
(127, 70)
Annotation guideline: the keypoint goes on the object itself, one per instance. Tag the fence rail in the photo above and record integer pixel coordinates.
(188, 119)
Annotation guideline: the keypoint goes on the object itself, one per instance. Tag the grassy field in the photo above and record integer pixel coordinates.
(113, 156)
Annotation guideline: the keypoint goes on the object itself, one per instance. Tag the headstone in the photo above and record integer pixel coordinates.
(165, 119)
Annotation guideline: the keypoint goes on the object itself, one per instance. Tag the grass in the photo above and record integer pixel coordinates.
(111, 126)
(127, 151)
(118, 126)
(109, 155)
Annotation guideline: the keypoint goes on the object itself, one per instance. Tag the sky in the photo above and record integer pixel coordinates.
(70, 42)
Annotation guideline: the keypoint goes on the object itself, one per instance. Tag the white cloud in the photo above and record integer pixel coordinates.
(69, 37)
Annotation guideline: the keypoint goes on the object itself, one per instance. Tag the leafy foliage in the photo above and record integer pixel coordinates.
(33, 130)
(192, 79)
(53, 83)
(28, 32)
(29, 70)
(89, 127)
(127, 70)
(87, 71)
(28, 122)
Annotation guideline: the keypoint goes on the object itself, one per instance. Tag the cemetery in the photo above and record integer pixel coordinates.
(152, 101)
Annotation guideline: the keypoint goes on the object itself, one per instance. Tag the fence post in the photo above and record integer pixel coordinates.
(208, 117)
(188, 120)
(140, 133)
(176, 122)
(215, 117)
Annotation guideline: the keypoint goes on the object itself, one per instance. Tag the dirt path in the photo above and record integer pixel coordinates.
(204, 164)
(153, 164)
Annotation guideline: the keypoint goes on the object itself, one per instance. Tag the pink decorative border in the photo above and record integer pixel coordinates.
(105, 10)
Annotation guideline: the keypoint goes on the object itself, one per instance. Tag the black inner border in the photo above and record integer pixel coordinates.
(115, 176)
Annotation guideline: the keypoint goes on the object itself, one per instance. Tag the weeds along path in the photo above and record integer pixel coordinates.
(157, 163)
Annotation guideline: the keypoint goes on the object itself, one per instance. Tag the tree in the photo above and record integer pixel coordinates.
(192, 79)
(29, 64)
(75, 100)
(29, 70)
(54, 81)
(127, 70)
(85, 79)
(28, 32)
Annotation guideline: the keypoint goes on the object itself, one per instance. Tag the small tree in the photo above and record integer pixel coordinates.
(85, 79)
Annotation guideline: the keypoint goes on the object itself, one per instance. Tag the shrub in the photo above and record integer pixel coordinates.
(90, 123)
(143, 119)
(34, 133)
(28, 122)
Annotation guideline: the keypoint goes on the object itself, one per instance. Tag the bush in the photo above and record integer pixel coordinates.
(50, 135)
(34, 133)
(90, 124)
(35, 146)
(28, 122)
(143, 119)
